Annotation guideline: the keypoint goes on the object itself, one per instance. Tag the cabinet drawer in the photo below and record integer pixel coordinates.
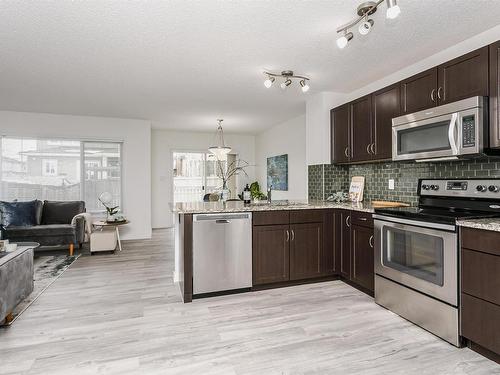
(481, 240)
(481, 275)
(364, 219)
(481, 322)
(306, 216)
(271, 217)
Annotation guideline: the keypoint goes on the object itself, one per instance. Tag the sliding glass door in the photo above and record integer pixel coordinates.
(195, 174)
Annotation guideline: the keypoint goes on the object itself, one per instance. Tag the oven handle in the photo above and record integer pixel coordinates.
(451, 133)
(416, 223)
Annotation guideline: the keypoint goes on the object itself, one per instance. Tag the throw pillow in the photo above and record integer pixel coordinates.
(18, 213)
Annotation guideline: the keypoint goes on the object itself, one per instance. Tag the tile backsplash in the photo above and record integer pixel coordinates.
(326, 179)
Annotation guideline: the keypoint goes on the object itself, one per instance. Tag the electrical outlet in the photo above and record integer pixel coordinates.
(391, 184)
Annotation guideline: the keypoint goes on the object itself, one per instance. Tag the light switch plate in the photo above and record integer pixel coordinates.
(391, 184)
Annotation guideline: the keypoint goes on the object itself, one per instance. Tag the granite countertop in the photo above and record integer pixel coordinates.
(492, 224)
(215, 207)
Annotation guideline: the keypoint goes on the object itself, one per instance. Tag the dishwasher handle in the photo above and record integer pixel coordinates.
(222, 218)
(222, 221)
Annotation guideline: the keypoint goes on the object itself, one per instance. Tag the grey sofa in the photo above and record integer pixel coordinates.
(47, 222)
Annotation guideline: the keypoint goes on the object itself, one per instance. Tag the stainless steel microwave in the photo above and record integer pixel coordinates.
(451, 131)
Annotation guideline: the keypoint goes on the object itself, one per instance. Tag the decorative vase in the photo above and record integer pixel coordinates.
(225, 193)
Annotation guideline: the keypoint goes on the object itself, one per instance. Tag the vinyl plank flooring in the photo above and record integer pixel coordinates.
(122, 314)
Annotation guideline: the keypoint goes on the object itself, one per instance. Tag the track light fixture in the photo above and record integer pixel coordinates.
(287, 77)
(365, 25)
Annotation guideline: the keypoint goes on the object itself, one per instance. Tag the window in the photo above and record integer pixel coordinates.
(49, 167)
(52, 170)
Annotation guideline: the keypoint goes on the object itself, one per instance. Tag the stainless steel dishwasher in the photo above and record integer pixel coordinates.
(222, 252)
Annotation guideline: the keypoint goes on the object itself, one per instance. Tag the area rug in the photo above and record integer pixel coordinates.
(47, 269)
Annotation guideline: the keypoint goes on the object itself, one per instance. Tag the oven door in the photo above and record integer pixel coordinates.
(421, 258)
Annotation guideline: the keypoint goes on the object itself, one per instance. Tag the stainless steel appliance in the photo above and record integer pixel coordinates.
(417, 251)
(222, 252)
(447, 132)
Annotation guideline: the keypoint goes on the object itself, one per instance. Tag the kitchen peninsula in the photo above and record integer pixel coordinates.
(291, 242)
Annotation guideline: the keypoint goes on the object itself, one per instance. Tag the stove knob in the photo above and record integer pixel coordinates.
(493, 188)
(426, 187)
(435, 187)
(481, 188)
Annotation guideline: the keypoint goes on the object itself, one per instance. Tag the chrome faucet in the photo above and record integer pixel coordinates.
(269, 191)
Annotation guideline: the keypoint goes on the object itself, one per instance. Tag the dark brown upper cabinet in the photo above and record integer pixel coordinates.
(386, 105)
(457, 79)
(340, 131)
(361, 129)
(495, 95)
(419, 92)
(463, 77)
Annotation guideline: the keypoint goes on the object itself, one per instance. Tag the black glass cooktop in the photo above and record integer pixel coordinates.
(434, 215)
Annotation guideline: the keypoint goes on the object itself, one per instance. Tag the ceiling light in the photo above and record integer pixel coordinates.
(304, 85)
(286, 83)
(393, 9)
(269, 81)
(288, 78)
(221, 150)
(364, 10)
(344, 39)
(365, 27)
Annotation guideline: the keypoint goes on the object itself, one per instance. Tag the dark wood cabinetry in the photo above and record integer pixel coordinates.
(345, 244)
(270, 256)
(290, 245)
(419, 92)
(361, 129)
(306, 251)
(386, 104)
(340, 130)
(495, 95)
(362, 256)
(480, 285)
(463, 77)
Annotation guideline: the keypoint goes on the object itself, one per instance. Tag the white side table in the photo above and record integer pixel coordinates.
(100, 235)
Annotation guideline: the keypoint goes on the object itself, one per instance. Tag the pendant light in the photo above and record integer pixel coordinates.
(220, 150)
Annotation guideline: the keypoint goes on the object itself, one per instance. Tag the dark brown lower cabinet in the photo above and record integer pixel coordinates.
(480, 291)
(362, 257)
(345, 243)
(270, 255)
(306, 250)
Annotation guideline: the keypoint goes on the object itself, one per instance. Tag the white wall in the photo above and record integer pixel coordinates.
(285, 138)
(136, 158)
(165, 142)
(318, 146)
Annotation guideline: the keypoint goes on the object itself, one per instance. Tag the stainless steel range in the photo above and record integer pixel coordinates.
(417, 251)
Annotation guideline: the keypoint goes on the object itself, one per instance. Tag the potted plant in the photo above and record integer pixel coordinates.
(225, 173)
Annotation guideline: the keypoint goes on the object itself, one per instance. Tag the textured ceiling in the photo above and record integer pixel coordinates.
(182, 64)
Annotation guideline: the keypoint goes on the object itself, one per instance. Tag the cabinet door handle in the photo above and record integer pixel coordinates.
(439, 92)
(347, 221)
(363, 218)
(433, 92)
(371, 241)
(293, 235)
(373, 148)
(368, 147)
(346, 152)
(287, 235)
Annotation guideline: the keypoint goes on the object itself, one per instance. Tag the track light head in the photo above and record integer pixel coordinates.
(344, 39)
(286, 83)
(366, 26)
(304, 85)
(269, 81)
(393, 9)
